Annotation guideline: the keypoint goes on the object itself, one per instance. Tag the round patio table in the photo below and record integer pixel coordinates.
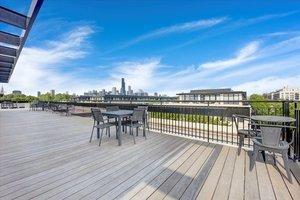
(274, 119)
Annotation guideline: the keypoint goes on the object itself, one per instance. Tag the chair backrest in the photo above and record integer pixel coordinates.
(138, 115)
(240, 118)
(112, 108)
(270, 135)
(97, 114)
(145, 108)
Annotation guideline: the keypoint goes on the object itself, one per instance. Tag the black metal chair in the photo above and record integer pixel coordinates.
(272, 141)
(145, 115)
(243, 132)
(135, 121)
(99, 123)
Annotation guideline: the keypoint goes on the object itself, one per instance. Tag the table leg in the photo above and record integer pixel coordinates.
(98, 131)
(144, 127)
(119, 131)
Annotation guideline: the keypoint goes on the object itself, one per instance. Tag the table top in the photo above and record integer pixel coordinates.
(118, 113)
(268, 118)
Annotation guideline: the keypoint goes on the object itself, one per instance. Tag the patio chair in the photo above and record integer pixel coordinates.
(99, 122)
(145, 115)
(272, 141)
(243, 133)
(135, 121)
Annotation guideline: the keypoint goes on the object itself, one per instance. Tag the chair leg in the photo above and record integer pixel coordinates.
(263, 153)
(101, 136)
(109, 132)
(92, 134)
(254, 156)
(137, 131)
(241, 142)
(133, 137)
(286, 164)
(274, 157)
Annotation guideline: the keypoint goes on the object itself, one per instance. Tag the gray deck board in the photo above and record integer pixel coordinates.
(48, 156)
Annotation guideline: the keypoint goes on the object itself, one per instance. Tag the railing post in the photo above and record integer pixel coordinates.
(286, 108)
(296, 144)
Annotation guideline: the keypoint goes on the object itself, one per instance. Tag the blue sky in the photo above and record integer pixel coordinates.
(163, 46)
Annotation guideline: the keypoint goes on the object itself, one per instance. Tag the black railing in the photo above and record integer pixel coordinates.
(212, 122)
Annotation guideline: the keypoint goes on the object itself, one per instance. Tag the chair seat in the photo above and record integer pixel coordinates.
(105, 125)
(282, 144)
(132, 124)
(247, 133)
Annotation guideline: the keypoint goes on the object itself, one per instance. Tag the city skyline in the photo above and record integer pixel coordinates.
(255, 49)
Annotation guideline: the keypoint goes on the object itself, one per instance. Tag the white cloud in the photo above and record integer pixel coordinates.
(273, 66)
(138, 74)
(177, 28)
(39, 68)
(244, 55)
(268, 84)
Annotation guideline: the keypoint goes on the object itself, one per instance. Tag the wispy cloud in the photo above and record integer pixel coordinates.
(177, 28)
(268, 84)
(40, 68)
(267, 17)
(233, 25)
(244, 55)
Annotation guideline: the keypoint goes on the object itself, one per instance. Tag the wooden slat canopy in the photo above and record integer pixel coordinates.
(11, 45)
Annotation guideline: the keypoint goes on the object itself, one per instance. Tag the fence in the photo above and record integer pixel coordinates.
(208, 122)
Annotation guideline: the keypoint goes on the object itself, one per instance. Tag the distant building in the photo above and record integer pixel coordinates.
(52, 92)
(217, 96)
(38, 94)
(155, 94)
(123, 90)
(114, 90)
(129, 91)
(286, 93)
(16, 92)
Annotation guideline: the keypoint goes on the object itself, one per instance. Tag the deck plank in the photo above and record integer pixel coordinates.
(185, 181)
(238, 184)
(223, 187)
(211, 182)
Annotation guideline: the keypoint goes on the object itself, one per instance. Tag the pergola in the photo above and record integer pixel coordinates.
(11, 45)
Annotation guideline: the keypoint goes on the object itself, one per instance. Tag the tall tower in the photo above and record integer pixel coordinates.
(123, 90)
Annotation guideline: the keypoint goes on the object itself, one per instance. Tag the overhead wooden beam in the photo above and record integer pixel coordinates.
(5, 70)
(7, 59)
(22, 21)
(8, 51)
(5, 65)
(32, 14)
(4, 73)
(9, 38)
(13, 18)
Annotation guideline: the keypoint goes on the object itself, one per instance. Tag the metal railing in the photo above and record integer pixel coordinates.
(211, 123)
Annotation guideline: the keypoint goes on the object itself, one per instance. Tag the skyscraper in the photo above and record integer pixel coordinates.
(123, 90)
(38, 94)
(52, 92)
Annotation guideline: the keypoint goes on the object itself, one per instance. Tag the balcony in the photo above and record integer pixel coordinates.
(47, 156)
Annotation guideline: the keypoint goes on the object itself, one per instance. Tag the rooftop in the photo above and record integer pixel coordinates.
(45, 155)
(212, 91)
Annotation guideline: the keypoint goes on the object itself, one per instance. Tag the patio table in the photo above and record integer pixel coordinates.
(272, 119)
(119, 114)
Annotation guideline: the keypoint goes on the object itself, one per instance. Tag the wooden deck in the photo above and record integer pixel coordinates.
(48, 156)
